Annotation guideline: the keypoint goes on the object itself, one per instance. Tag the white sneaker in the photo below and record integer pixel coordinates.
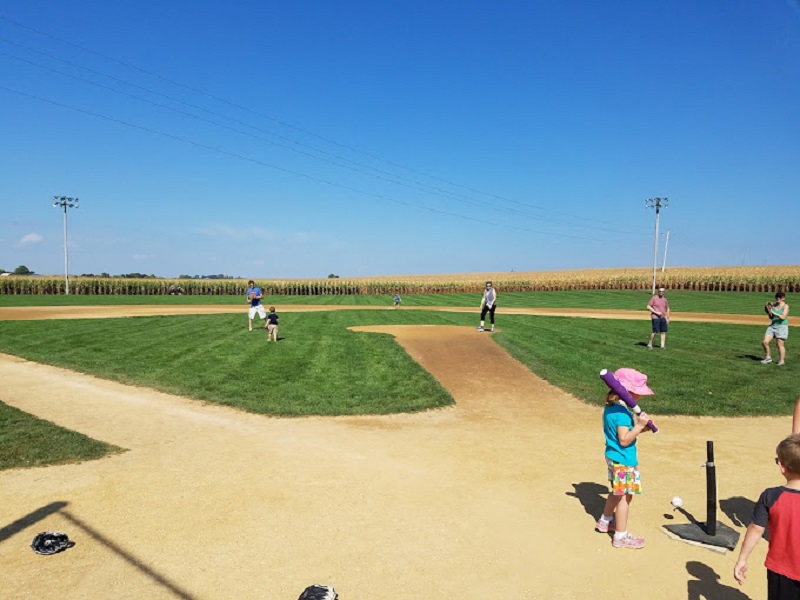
(766, 361)
(780, 363)
(481, 329)
(492, 329)
(649, 346)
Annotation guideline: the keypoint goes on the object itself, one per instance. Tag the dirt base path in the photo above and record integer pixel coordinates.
(493, 498)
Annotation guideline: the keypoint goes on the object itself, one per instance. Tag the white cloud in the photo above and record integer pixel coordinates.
(30, 238)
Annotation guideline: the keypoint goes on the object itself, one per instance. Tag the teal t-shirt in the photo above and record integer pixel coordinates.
(615, 416)
(777, 318)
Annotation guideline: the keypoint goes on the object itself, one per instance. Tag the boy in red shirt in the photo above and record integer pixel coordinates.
(778, 507)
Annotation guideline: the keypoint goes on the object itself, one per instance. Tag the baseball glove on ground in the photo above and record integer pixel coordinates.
(319, 592)
(51, 542)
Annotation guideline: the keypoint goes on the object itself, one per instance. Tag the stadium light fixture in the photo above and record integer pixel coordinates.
(658, 204)
(65, 202)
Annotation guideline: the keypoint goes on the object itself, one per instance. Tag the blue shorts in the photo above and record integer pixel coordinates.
(659, 325)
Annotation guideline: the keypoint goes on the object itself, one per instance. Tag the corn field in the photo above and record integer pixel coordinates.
(724, 279)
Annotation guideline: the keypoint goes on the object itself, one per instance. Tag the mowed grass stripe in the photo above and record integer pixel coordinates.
(319, 367)
(706, 369)
(742, 303)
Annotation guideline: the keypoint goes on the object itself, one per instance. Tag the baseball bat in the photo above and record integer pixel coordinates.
(615, 386)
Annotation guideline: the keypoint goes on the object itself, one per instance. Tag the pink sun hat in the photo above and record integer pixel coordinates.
(633, 381)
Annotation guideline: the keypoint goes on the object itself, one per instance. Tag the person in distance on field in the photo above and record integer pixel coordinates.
(397, 300)
(778, 328)
(272, 325)
(254, 296)
(659, 315)
(488, 304)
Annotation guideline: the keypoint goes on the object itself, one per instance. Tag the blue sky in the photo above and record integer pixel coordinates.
(296, 139)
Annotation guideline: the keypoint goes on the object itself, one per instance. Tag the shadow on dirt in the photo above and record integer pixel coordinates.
(592, 497)
(740, 511)
(706, 584)
(30, 519)
(128, 557)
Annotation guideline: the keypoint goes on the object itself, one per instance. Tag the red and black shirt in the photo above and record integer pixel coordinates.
(779, 509)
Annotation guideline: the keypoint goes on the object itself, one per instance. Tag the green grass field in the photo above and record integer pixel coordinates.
(742, 303)
(26, 441)
(319, 367)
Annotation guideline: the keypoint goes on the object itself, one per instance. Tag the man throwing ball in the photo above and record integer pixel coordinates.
(254, 297)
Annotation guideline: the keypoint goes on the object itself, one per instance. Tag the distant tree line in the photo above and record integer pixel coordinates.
(122, 276)
(20, 270)
(23, 270)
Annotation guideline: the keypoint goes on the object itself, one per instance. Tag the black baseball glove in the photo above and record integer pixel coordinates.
(51, 542)
(319, 592)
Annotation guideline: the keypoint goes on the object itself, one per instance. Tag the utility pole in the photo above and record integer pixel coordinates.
(666, 245)
(658, 204)
(65, 202)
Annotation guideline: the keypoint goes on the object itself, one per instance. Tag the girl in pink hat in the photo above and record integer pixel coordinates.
(621, 428)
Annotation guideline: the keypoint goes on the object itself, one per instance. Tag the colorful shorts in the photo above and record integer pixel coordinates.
(623, 479)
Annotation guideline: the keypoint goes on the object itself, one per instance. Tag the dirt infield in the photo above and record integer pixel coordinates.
(495, 497)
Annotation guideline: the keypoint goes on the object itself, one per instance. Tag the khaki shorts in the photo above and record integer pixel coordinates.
(780, 332)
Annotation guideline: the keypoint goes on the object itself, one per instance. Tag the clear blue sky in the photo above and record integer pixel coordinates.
(296, 139)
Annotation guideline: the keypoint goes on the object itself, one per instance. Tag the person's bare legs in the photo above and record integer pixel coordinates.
(765, 342)
(663, 339)
(781, 350)
(615, 506)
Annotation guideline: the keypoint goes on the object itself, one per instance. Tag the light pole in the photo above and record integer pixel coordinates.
(666, 245)
(658, 204)
(65, 202)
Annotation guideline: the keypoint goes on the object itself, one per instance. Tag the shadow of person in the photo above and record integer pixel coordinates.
(750, 357)
(740, 511)
(592, 497)
(707, 585)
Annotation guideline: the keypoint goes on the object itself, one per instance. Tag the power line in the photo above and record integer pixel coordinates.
(283, 169)
(396, 179)
(441, 193)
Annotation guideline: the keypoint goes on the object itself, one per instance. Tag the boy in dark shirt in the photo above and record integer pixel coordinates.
(272, 325)
(778, 507)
